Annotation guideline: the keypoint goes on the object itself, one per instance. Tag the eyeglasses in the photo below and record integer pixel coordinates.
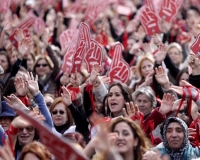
(43, 65)
(48, 104)
(60, 111)
(29, 129)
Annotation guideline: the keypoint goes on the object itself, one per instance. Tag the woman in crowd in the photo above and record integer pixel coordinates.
(61, 115)
(35, 150)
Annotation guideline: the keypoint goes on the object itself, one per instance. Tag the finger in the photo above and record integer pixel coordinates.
(132, 107)
(128, 108)
(124, 112)
(36, 77)
(31, 75)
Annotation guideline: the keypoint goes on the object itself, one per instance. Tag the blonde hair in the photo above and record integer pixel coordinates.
(178, 47)
(140, 61)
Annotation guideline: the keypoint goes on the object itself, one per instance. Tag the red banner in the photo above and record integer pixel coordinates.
(58, 146)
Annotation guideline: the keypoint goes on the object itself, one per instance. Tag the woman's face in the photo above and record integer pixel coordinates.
(59, 115)
(30, 62)
(13, 56)
(42, 67)
(116, 100)
(125, 142)
(31, 156)
(26, 135)
(175, 55)
(146, 67)
(184, 77)
(4, 62)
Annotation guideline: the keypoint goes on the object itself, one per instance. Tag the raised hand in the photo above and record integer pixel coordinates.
(66, 96)
(177, 104)
(149, 20)
(193, 62)
(119, 70)
(162, 78)
(167, 104)
(12, 101)
(130, 109)
(24, 47)
(6, 152)
(94, 74)
(160, 54)
(32, 84)
(20, 87)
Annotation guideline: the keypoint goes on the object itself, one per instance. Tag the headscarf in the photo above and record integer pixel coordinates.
(175, 154)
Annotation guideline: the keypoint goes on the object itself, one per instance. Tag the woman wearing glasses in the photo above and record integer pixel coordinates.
(47, 68)
(61, 115)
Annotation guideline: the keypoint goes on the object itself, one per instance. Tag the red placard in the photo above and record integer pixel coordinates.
(149, 19)
(58, 146)
(94, 9)
(87, 49)
(184, 37)
(25, 25)
(68, 58)
(169, 9)
(119, 71)
(4, 5)
(196, 46)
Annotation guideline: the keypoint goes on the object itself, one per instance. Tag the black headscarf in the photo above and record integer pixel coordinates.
(175, 154)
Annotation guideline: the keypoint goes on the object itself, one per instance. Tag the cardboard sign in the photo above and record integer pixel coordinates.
(58, 146)
(149, 19)
(119, 71)
(68, 57)
(169, 9)
(25, 25)
(196, 46)
(4, 5)
(94, 9)
(39, 26)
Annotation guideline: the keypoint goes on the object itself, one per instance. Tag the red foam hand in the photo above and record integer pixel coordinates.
(4, 5)
(196, 46)
(68, 58)
(25, 25)
(150, 22)
(66, 37)
(94, 9)
(58, 146)
(93, 55)
(119, 71)
(87, 49)
(169, 9)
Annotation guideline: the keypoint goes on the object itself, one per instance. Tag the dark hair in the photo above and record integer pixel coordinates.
(126, 93)
(180, 73)
(8, 59)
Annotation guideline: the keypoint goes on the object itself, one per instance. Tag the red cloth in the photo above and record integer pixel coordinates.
(25, 100)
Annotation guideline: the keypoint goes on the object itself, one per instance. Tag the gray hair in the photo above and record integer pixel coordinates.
(147, 91)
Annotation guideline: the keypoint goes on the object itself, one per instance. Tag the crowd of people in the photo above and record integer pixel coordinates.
(154, 115)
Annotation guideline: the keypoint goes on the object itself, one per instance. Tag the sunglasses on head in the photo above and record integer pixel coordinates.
(43, 65)
(60, 111)
(29, 129)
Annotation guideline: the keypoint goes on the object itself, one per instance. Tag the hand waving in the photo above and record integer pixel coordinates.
(167, 104)
(20, 87)
(32, 84)
(66, 96)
